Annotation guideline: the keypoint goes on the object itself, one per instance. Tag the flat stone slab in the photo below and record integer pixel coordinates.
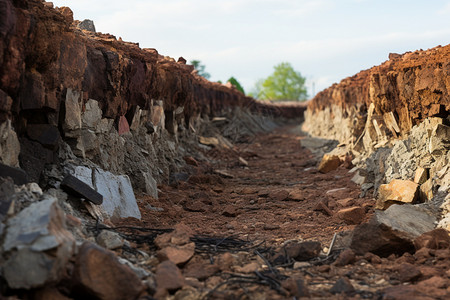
(74, 186)
(392, 231)
(118, 196)
(19, 176)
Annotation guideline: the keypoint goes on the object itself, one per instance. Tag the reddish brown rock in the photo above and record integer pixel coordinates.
(200, 269)
(296, 287)
(352, 215)
(230, 211)
(346, 202)
(435, 287)
(412, 86)
(329, 163)
(405, 292)
(123, 126)
(191, 161)
(248, 268)
(168, 277)
(49, 293)
(98, 273)
(435, 239)
(342, 285)
(279, 195)
(397, 192)
(296, 195)
(304, 250)
(225, 261)
(408, 272)
(323, 208)
(346, 257)
(177, 254)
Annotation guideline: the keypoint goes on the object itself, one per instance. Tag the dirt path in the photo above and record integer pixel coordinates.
(250, 219)
(275, 198)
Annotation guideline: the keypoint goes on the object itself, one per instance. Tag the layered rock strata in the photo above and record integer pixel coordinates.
(394, 118)
(112, 102)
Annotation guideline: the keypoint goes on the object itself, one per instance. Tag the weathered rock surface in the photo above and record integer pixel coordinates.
(403, 91)
(352, 215)
(73, 185)
(397, 192)
(118, 196)
(37, 239)
(393, 230)
(168, 277)
(109, 240)
(303, 251)
(98, 274)
(329, 163)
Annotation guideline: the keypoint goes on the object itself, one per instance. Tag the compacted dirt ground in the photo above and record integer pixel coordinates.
(277, 197)
(257, 214)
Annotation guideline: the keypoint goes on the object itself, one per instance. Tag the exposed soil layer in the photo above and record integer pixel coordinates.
(413, 86)
(278, 199)
(274, 198)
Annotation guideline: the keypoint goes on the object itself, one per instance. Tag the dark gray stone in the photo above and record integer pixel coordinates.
(45, 134)
(38, 244)
(74, 186)
(19, 176)
(6, 192)
(87, 25)
(303, 251)
(392, 231)
(343, 285)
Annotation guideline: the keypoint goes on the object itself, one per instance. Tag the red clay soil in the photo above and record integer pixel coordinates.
(279, 197)
(275, 198)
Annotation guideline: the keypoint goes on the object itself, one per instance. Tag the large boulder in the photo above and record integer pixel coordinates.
(99, 275)
(38, 245)
(393, 230)
(118, 195)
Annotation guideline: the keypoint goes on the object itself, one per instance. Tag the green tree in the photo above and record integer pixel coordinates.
(236, 84)
(284, 84)
(200, 68)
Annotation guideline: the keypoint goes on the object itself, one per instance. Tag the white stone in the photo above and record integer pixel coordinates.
(140, 272)
(151, 186)
(440, 140)
(118, 195)
(109, 240)
(73, 110)
(9, 145)
(92, 115)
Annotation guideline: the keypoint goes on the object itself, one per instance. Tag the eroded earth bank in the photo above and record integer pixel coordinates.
(125, 175)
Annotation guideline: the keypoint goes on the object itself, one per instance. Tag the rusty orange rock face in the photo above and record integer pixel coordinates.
(42, 54)
(413, 86)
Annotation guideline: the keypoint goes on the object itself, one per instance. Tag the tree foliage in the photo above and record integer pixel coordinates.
(236, 84)
(284, 84)
(200, 68)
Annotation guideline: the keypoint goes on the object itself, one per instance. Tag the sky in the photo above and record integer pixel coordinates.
(325, 40)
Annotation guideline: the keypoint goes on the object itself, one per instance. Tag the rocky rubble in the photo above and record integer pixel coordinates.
(154, 182)
(393, 121)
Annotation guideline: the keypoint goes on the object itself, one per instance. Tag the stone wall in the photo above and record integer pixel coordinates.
(384, 102)
(111, 101)
(393, 119)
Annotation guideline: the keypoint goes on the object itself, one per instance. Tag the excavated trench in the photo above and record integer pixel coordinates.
(125, 175)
